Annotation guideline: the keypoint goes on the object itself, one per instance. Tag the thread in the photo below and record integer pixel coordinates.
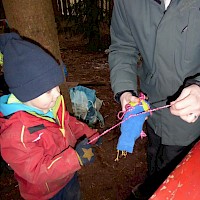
(133, 115)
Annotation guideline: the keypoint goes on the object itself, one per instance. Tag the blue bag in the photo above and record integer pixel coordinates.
(86, 105)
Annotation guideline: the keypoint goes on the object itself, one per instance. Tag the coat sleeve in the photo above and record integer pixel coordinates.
(194, 80)
(123, 51)
(80, 129)
(30, 160)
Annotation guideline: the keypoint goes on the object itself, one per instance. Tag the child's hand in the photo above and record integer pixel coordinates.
(85, 152)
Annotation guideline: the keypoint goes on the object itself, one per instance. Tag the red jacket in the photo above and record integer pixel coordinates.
(41, 151)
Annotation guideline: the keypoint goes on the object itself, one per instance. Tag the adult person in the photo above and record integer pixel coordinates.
(166, 35)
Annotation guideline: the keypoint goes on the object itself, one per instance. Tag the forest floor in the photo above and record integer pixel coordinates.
(105, 179)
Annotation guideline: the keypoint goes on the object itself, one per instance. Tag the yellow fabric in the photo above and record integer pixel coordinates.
(145, 105)
(88, 154)
(1, 59)
(79, 159)
(13, 99)
(133, 104)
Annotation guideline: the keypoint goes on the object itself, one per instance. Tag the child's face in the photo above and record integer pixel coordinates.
(45, 101)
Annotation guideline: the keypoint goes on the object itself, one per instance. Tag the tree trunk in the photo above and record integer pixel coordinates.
(35, 20)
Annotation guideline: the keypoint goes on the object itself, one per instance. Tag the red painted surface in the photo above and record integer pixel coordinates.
(184, 182)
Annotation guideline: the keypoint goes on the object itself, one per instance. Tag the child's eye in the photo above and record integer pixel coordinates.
(48, 91)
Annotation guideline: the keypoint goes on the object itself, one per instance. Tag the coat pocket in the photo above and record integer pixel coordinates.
(191, 33)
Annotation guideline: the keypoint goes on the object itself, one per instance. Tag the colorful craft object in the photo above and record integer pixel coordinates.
(132, 125)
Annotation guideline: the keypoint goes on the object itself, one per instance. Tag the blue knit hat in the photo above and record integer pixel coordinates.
(28, 70)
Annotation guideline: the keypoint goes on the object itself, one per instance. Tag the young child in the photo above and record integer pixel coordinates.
(37, 135)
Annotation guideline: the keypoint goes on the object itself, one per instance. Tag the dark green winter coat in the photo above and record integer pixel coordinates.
(169, 42)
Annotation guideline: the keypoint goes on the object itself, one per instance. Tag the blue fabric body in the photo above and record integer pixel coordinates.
(131, 128)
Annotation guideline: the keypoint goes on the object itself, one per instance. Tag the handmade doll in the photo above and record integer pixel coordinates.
(131, 126)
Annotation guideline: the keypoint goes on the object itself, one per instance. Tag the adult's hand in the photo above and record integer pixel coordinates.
(127, 97)
(187, 105)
